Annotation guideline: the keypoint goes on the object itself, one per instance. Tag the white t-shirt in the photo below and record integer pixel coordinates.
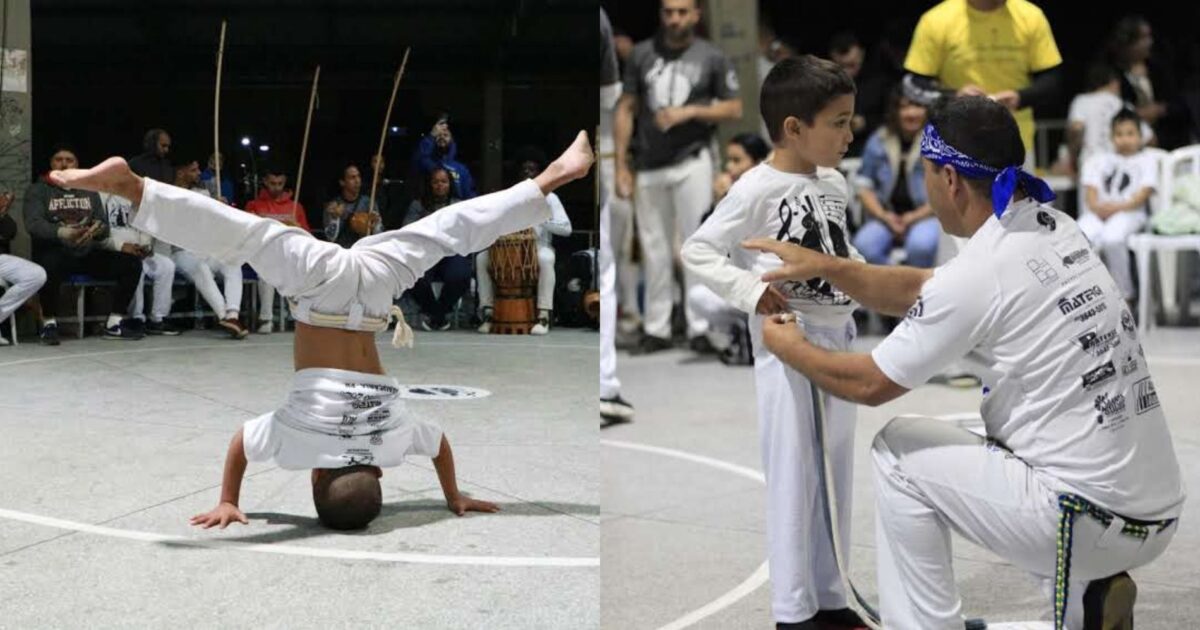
(1096, 110)
(558, 225)
(808, 210)
(1119, 177)
(1067, 388)
(335, 418)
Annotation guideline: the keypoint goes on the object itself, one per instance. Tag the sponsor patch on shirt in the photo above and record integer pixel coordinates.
(1099, 376)
(1145, 397)
(1042, 271)
(1098, 343)
(1067, 305)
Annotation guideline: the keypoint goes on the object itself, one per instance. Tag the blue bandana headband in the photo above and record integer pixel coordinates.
(1004, 181)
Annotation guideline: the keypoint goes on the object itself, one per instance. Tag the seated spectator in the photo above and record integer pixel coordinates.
(123, 237)
(67, 228)
(454, 272)
(23, 278)
(438, 150)
(531, 161)
(215, 161)
(202, 270)
(1091, 113)
(274, 202)
(340, 226)
(728, 333)
(153, 161)
(891, 186)
(1117, 184)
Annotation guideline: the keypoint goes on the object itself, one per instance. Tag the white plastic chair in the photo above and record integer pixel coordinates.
(1184, 161)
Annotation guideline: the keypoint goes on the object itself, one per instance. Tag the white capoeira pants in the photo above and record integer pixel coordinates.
(932, 478)
(1109, 237)
(545, 288)
(266, 300)
(620, 237)
(202, 271)
(804, 573)
(323, 278)
(610, 385)
(670, 202)
(22, 279)
(161, 270)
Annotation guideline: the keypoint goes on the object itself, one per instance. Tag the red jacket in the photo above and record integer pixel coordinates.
(279, 209)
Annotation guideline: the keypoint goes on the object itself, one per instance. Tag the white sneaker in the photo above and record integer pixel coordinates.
(265, 326)
(4, 342)
(486, 326)
(543, 324)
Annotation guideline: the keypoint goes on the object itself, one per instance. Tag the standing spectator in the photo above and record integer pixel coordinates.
(339, 212)
(67, 227)
(201, 270)
(680, 87)
(438, 150)
(454, 272)
(891, 186)
(1147, 84)
(532, 161)
(125, 238)
(154, 162)
(217, 161)
(1003, 49)
(1117, 184)
(1090, 116)
(846, 51)
(22, 277)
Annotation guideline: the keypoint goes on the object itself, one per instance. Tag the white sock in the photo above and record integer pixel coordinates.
(231, 314)
(113, 320)
(50, 321)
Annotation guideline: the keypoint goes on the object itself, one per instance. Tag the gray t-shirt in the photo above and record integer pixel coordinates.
(660, 77)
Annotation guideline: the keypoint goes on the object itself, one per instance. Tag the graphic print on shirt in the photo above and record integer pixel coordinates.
(818, 225)
(118, 211)
(670, 83)
(1117, 181)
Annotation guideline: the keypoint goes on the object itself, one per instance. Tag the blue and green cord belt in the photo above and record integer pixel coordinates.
(1070, 506)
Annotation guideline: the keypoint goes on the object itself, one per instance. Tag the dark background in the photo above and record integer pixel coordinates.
(105, 72)
(1080, 29)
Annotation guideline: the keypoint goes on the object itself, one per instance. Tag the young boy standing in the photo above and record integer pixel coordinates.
(1117, 184)
(807, 104)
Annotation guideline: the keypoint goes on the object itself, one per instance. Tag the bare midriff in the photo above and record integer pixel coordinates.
(336, 348)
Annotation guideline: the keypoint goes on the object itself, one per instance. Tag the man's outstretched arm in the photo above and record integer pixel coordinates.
(890, 290)
(851, 376)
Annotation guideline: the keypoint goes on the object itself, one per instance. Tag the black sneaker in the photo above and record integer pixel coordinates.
(49, 335)
(1108, 603)
(651, 344)
(615, 410)
(124, 331)
(797, 625)
(162, 328)
(840, 619)
(701, 345)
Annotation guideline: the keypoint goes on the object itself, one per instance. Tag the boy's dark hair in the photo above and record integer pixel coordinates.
(62, 146)
(346, 166)
(753, 145)
(530, 153)
(347, 498)
(982, 129)
(1098, 75)
(800, 87)
(843, 41)
(275, 168)
(1127, 115)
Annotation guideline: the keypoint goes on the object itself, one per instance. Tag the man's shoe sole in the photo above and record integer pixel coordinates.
(1116, 608)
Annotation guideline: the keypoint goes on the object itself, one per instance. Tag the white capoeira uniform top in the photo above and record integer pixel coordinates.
(329, 285)
(335, 418)
(1067, 388)
(808, 210)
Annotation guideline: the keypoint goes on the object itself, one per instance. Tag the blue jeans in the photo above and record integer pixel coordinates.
(874, 241)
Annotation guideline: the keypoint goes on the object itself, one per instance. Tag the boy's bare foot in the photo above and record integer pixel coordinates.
(573, 164)
(111, 176)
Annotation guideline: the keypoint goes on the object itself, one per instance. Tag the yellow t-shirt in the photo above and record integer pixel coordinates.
(995, 50)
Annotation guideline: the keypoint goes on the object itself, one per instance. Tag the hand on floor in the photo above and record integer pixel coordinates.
(462, 504)
(222, 515)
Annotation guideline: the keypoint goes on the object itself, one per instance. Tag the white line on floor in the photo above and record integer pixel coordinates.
(750, 584)
(294, 550)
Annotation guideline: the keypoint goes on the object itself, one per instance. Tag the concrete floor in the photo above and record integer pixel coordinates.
(683, 537)
(123, 441)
